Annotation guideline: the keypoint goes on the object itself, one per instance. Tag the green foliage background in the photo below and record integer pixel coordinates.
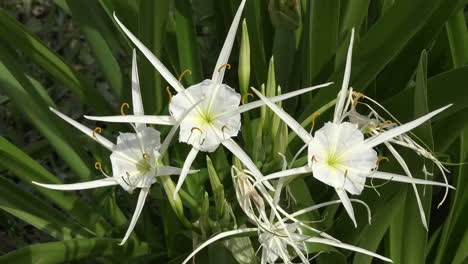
(410, 55)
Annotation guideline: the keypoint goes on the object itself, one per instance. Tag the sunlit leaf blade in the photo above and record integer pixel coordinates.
(17, 36)
(75, 250)
(32, 210)
(100, 33)
(28, 170)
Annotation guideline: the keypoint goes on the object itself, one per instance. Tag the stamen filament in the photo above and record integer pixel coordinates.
(122, 112)
(168, 90)
(245, 97)
(183, 73)
(96, 130)
(224, 65)
(314, 116)
(98, 165)
(387, 122)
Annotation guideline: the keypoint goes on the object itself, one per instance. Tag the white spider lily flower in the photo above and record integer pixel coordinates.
(277, 239)
(338, 154)
(217, 117)
(135, 157)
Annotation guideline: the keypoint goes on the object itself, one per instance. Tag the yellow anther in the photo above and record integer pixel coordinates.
(358, 96)
(98, 165)
(196, 128)
(380, 159)
(245, 97)
(183, 73)
(223, 128)
(346, 173)
(122, 106)
(96, 130)
(314, 116)
(146, 156)
(128, 177)
(168, 90)
(313, 158)
(224, 65)
(383, 124)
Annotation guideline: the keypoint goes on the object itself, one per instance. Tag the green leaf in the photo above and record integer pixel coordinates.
(414, 242)
(18, 37)
(28, 170)
(458, 39)
(453, 245)
(30, 209)
(152, 21)
(322, 34)
(101, 35)
(21, 91)
(75, 250)
(186, 43)
(379, 46)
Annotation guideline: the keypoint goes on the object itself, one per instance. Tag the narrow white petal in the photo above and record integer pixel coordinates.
(402, 163)
(227, 47)
(389, 134)
(185, 170)
(169, 170)
(102, 140)
(293, 124)
(152, 58)
(79, 186)
(136, 93)
(344, 87)
(218, 237)
(137, 102)
(144, 119)
(285, 173)
(346, 203)
(139, 207)
(245, 159)
(278, 98)
(321, 205)
(346, 246)
(406, 179)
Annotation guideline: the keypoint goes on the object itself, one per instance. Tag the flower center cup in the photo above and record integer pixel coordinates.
(206, 125)
(339, 158)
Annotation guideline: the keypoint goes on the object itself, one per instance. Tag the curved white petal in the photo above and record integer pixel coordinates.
(185, 170)
(218, 237)
(346, 246)
(285, 173)
(139, 207)
(318, 206)
(152, 58)
(145, 119)
(137, 102)
(102, 140)
(293, 124)
(169, 170)
(136, 93)
(346, 203)
(245, 159)
(402, 163)
(278, 98)
(344, 87)
(394, 132)
(227, 47)
(406, 179)
(79, 186)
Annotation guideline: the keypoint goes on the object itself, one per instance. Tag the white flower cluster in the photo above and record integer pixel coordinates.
(341, 154)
